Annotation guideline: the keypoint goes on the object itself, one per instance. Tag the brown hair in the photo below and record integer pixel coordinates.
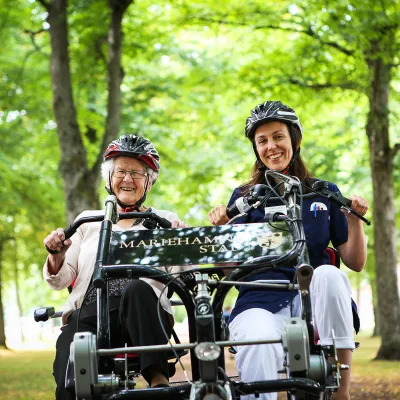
(298, 167)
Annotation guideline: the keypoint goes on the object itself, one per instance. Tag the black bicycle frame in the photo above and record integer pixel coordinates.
(207, 328)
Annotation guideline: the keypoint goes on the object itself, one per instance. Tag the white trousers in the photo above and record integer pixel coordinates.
(331, 306)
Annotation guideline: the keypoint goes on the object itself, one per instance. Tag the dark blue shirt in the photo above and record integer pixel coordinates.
(323, 223)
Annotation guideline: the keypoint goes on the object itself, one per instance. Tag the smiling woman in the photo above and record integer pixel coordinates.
(276, 133)
(129, 182)
(130, 169)
(274, 145)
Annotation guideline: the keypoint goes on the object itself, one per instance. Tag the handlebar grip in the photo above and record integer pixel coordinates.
(347, 201)
(164, 223)
(67, 233)
(240, 206)
(51, 251)
(232, 211)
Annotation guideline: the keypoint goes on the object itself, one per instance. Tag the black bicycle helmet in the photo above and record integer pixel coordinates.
(136, 147)
(271, 111)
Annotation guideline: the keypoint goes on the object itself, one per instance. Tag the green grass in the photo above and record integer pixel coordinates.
(364, 365)
(28, 374)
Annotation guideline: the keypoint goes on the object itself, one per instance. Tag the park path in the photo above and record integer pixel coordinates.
(363, 387)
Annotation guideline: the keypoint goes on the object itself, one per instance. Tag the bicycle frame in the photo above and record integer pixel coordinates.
(204, 322)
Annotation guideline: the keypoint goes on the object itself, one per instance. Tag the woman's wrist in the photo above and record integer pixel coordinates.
(54, 263)
(355, 222)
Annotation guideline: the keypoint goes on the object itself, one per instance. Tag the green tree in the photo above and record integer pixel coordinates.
(191, 73)
(80, 179)
(28, 196)
(352, 46)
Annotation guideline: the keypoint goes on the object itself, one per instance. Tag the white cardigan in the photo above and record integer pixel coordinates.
(79, 264)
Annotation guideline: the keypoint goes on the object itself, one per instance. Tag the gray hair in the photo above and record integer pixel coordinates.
(107, 168)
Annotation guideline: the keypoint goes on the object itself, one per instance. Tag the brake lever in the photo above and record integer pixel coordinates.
(344, 204)
(351, 211)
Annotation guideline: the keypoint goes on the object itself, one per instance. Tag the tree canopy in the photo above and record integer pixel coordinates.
(187, 76)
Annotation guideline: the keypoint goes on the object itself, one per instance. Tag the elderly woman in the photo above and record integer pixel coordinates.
(130, 168)
(276, 133)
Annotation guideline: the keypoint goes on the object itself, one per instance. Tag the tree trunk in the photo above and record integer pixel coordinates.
(115, 76)
(79, 188)
(381, 157)
(377, 330)
(16, 281)
(2, 323)
(81, 183)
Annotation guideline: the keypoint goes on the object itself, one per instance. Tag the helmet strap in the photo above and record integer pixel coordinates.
(295, 156)
(143, 198)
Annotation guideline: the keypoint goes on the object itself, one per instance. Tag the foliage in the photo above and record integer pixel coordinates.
(192, 72)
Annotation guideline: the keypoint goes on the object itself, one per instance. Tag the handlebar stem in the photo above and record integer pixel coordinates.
(205, 326)
(293, 208)
(202, 289)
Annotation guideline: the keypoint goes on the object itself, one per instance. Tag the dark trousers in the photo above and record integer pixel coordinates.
(135, 322)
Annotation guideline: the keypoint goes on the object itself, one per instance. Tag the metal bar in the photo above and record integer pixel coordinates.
(289, 286)
(279, 385)
(182, 346)
(168, 393)
(179, 392)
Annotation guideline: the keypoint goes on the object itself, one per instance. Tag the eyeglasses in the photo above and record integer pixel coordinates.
(120, 173)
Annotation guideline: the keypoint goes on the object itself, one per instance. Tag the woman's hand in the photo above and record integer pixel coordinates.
(359, 205)
(179, 224)
(55, 241)
(354, 251)
(217, 215)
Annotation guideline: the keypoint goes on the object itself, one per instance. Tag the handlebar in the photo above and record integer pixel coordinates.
(260, 193)
(321, 187)
(152, 221)
(202, 312)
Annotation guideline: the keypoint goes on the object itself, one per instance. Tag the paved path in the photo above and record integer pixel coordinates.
(363, 388)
